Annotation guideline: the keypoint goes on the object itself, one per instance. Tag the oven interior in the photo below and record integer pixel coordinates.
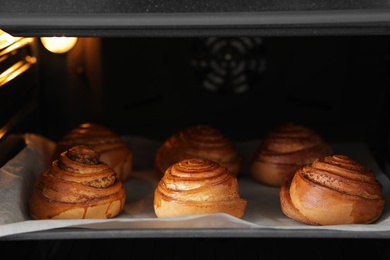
(151, 81)
(151, 87)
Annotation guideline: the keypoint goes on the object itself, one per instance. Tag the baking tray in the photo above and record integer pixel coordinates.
(263, 217)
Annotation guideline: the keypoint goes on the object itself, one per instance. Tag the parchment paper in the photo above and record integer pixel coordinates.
(263, 208)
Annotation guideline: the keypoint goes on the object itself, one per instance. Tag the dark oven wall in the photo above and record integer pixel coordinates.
(154, 86)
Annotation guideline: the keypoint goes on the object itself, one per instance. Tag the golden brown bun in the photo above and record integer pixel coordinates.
(198, 141)
(331, 191)
(198, 186)
(112, 148)
(77, 186)
(284, 150)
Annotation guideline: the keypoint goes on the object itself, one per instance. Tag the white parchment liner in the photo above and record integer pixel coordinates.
(263, 208)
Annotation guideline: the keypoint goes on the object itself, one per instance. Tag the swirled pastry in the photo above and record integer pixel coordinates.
(333, 190)
(77, 186)
(112, 148)
(198, 141)
(284, 150)
(198, 186)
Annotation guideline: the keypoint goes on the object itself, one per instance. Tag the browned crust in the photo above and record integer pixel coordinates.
(75, 186)
(112, 148)
(284, 150)
(198, 186)
(198, 141)
(333, 190)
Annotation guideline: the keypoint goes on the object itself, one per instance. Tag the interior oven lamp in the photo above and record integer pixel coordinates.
(59, 44)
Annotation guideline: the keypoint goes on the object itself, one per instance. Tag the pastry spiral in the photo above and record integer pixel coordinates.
(284, 150)
(111, 147)
(77, 186)
(198, 186)
(198, 141)
(333, 190)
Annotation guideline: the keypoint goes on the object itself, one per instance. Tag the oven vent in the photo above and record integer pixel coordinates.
(229, 65)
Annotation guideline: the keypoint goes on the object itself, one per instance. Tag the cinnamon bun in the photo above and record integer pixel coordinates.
(198, 186)
(198, 141)
(333, 190)
(112, 148)
(77, 186)
(285, 149)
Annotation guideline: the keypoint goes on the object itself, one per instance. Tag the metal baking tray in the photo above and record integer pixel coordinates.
(263, 217)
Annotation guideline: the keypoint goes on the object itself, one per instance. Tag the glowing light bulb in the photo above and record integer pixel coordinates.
(59, 44)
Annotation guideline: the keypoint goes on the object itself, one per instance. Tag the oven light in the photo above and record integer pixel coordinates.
(59, 44)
